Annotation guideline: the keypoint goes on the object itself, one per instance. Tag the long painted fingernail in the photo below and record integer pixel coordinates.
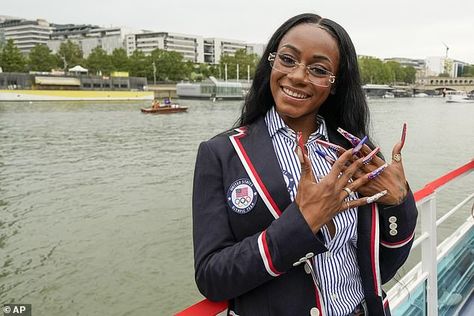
(374, 174)
(357, 148)
(325, 156)
(335, 148)
(375, 197)
(370, 156)
(299, 141)
(404, 134)
(351, 138)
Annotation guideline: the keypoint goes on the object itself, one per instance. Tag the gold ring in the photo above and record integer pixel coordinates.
(348, 191)
(397, 157)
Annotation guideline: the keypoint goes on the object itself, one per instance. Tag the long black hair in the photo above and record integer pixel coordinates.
(345, 107)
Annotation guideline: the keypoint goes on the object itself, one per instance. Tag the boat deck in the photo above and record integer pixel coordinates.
(468, 308)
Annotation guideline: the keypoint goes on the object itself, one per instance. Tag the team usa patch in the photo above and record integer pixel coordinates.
(289, 180)
(242, 196)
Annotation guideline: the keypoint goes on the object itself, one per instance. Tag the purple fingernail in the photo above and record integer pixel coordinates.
(374, 174)
(336, 148)
(370, 156)
(325, 156)
(351, 138)
(357, 148)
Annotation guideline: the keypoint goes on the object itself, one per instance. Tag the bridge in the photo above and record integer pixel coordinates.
(441, 83)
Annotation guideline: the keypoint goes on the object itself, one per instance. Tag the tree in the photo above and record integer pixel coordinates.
(139, 64)
(120, 60)
(99, 62)
(69, 54)
(371, 70)
(12, 58)
(169, 65)
(409, 74)
(41, 59)
(397, 73)
(243, 60)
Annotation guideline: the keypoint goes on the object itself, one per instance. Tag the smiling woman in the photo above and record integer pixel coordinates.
(286, 220)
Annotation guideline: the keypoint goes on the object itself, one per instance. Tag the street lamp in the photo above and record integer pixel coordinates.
(154, 73)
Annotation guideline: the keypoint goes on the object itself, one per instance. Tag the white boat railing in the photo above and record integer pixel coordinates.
(425, 271)
(431, 254)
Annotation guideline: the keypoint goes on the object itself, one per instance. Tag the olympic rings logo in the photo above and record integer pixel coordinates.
(242, 201)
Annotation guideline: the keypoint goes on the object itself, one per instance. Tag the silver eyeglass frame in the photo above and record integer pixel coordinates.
(272, 56)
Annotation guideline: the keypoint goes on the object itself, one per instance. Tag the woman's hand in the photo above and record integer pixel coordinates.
(390, 177)
(320, 201)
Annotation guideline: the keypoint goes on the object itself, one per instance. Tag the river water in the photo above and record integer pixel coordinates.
(95, 199)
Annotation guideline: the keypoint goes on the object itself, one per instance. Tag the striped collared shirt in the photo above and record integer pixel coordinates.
(337, 269)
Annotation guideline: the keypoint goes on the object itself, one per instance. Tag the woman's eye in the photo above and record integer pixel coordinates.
(287, 60)
(318, 71)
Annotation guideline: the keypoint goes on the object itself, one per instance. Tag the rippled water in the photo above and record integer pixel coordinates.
(95, 199)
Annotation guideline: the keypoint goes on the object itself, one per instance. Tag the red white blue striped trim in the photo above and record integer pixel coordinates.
(374, 250)
(318, 296)
(398, 244)
(253, 174)
(265, 254)
(319, 302)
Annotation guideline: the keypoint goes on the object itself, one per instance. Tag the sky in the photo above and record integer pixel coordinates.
(383, 29)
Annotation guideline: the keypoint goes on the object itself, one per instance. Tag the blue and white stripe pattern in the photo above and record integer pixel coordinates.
(337, 270)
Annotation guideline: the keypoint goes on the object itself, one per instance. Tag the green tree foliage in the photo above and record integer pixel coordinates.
(409, 74)
(242, 59)
(120, 61)
(139, 66)
(41, 58)
(375, 71)
(199, 72)
(169, 65)
(98, 62)
(12, 60)
(69, 55)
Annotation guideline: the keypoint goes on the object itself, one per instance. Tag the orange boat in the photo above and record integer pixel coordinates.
(165, 109)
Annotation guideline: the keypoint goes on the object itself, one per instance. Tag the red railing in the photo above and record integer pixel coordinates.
(209, 308)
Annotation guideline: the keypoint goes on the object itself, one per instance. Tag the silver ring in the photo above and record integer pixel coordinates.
(348, 191)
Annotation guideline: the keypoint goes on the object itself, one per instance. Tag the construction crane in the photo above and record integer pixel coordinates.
(447, 49)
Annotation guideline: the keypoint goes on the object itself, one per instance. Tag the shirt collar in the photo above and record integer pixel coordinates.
(275, 124)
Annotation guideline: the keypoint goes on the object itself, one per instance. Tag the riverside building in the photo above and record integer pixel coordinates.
(196, 49)
(190, 46)
(26, 34)
(88, 37)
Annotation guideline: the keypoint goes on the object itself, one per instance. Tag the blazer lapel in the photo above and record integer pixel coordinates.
(263, 163)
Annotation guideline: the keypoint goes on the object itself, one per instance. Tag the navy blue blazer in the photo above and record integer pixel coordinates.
(254, 256)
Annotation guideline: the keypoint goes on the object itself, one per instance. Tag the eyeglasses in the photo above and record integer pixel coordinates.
(286, 63)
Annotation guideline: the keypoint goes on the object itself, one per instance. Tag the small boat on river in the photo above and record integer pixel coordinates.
(164, 108)
(459, 97)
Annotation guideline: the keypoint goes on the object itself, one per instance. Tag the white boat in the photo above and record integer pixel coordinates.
(388, 95)
(442, 283)
(459, 97)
